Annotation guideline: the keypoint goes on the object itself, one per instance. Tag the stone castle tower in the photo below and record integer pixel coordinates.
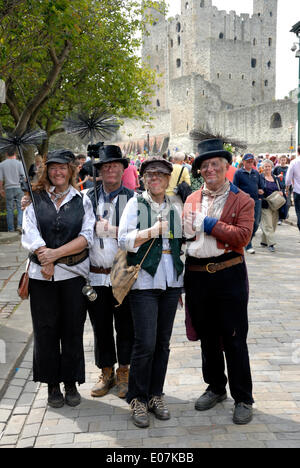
(216, 71)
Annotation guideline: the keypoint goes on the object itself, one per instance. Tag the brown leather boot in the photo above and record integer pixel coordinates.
(122, 381)
(106, 381)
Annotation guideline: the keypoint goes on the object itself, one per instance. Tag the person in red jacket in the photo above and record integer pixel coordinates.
(218, 223)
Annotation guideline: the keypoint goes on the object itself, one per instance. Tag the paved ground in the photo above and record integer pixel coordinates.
(274, 344)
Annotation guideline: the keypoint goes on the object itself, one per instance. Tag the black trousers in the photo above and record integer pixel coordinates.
(218, 305)
(105, 317)
(58, 312)
(153, 312)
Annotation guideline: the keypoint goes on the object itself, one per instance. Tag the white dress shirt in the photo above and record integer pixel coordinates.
(166, 274)
(32, 240)
(293, 175)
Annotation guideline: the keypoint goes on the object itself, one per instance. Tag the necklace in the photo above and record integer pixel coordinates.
(59, 196)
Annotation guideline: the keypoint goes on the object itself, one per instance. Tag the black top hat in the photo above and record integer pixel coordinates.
(108, 154)
(209, 149)
(60, 156)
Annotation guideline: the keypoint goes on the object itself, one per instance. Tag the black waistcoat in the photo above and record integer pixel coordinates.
(59, 228)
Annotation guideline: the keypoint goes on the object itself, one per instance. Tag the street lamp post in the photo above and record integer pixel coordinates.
(296, 29)
(147, 126)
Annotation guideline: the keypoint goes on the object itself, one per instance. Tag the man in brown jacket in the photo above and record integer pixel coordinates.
(218, 222)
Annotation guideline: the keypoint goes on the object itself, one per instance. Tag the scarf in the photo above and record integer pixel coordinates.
(163, 209)
(216, 197)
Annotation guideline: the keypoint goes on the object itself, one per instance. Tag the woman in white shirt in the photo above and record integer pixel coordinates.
(58, 234)
(155, 295)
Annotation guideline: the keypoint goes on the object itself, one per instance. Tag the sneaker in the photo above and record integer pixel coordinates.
(106, 381)
(122, 381)
(55, 397)
(271, 248)
(140, 415)
(158, 406)
(279, 222)
(251, 250)
(72, 396)
(243, 414)
(208, 400)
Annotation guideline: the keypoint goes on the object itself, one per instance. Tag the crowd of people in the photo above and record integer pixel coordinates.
(186, 221)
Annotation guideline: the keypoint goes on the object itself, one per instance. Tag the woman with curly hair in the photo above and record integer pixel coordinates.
(57, 235)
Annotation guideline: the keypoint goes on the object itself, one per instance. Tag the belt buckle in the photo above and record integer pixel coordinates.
(208, 270)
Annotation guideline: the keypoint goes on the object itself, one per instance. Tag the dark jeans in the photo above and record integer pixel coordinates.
(297, 207)
(257, 218)
(153, 313)
(217, 304)
(58, 312)
(13, 198)
(105, 317)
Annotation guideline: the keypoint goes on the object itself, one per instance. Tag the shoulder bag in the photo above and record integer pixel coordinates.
(275, 200)
(23, 288)
(183, 189)
(122, 276)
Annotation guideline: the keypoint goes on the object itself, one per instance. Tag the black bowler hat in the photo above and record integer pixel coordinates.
(60, 156)
(209, 149)
(108, 154)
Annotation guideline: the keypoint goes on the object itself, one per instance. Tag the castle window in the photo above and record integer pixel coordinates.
(172, 43)
(269, 64)
(266, 83)
(158, 103)
(178, 27)
(253, 63)
(253, 83)
(202, 4)
(254, 42)
(276, 121)
(270, 41)
(157, 48)
(243, 77)
(218, 75)
(178, 40)
(235, 38)
(187, 5)
(203, 93)
(271, 13)
(230, 76)
(221, 36)
(178, 63)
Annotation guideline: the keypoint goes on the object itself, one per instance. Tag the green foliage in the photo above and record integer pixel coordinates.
(59, 55)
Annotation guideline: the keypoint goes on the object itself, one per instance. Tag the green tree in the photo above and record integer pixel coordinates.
(57, 55)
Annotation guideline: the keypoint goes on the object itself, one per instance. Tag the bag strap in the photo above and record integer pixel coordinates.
(146, 254)
(180, 176)
(276, 180)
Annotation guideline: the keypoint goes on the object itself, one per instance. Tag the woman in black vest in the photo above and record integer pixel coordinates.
(58, 235)
(155, 294)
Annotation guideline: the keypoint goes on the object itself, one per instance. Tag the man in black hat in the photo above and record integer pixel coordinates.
(112, 198)
(218, 220)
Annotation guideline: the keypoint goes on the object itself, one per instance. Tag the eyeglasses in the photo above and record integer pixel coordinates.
(152, 175)
(213, 164)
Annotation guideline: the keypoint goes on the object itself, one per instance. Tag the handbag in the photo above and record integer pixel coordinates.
(122, 276)
(183, 189)
(275, 200)
(23, 287)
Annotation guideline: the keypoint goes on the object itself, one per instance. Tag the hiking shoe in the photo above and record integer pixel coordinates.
(106, 381)
(55, 397)
(140, 415)
(72, 396)
(243, 414)
(122, 381)
(271, 248)
(158, 406)
(208, 400)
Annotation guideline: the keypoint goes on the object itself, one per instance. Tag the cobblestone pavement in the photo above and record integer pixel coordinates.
(274, 345)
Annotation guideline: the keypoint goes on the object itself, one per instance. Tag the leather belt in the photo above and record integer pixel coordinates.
(73, 260)
(100, 271)
(168, 252)
(70, 260)
(214, 267)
